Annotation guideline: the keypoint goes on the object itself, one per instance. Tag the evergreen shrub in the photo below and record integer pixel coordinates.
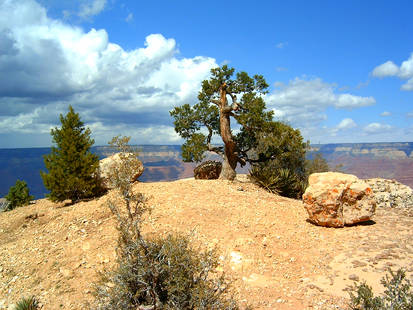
(18, 196)
(285, 171)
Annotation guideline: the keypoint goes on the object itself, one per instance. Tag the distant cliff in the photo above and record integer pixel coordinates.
(395, 150)
(164, 162)
(370, 160)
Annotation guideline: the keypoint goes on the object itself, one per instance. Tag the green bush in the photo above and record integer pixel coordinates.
(397, 296)
(285, 171)
(18, 195)
(155, 272)
(72, 168)
(29, 303)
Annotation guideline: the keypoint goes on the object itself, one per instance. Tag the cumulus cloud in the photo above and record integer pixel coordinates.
(404, 72)
(385, 113)
(91, 8)
(45, 65)
(346, 123)
(376, 128)
(386, 69)
(304, 102)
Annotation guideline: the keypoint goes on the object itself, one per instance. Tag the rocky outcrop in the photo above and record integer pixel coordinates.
(109, 163)
(336, 199)
(208, 170)
(391, 194)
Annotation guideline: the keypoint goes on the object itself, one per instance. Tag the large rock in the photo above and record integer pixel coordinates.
(109, 163)
(208, 170)
(336, 199)
(391, 194)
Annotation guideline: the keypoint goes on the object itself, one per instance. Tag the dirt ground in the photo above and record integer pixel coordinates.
(276, 258)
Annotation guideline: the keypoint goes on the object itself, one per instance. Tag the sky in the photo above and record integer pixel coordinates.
(340, 71)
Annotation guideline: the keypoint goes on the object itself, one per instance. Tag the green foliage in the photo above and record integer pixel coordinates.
(18, 195)
(249, 113)
(317, 164)
(285, 170)
(155, 272)
(73, 169)
(397, 296)
(29, 303)
(194, 148)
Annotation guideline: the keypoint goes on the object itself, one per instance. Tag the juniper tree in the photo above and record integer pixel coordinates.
(224, 97)
(73, 168)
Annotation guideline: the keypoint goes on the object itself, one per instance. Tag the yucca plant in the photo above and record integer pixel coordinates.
(27, 303)
(278, 181)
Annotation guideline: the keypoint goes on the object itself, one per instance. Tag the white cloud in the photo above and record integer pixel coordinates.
(45, 65)
(408, 85)
(129, 18)
(386, 69)
(404, 72)
(406, 68)
(376, 128)
(281, 69)
(91, 8)
(347, 123)
(282, 45)
(303, 102)
(410, 114)
(385, 113)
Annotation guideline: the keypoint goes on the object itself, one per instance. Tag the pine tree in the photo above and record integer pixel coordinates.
(73, 169)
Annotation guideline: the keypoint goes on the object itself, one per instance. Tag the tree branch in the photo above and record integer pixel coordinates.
(217, 102)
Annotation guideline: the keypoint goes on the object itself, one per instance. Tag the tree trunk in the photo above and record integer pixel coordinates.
(228, 169)
(230, 158)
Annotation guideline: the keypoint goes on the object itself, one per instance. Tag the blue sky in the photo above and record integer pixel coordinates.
(340, 71)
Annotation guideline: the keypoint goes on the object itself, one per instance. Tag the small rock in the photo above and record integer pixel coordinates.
(353, 277)
(209, 170)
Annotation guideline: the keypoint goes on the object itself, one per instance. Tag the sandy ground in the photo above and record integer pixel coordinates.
(276, 258)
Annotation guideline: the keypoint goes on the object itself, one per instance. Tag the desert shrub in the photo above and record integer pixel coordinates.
(155, 272)
(18, 195)
(284, 169)
(165, 273)
(29, 303)
(72, 168)
(398, 294)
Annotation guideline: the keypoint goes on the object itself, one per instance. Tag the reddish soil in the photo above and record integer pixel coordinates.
(276, 258)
